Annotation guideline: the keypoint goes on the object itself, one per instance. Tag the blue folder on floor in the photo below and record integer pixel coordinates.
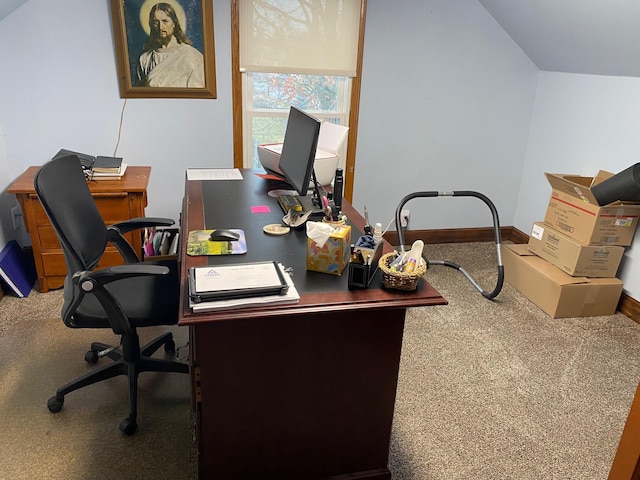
(17, 269)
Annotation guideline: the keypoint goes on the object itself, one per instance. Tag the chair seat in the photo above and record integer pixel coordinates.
(139, 299)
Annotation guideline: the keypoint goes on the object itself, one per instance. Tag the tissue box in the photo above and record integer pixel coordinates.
(330, 141)
(334, 256)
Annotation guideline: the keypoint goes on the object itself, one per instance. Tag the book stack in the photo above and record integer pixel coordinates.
(108, 168)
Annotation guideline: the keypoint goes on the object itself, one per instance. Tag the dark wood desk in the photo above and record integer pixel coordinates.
(302, 391)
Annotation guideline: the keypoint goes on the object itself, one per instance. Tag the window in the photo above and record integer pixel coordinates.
(292, 52)
(267, 97)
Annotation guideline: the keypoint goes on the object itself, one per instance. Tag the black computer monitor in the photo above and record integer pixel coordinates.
(299, 150)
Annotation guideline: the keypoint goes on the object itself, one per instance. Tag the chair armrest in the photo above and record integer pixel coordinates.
(141, 222)
(116, 231)
(118, 272)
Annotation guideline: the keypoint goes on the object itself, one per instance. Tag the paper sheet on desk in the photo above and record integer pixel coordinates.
(291, 296)
(233, 277)
(213, 174)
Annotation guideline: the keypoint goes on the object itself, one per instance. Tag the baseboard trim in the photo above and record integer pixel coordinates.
(628, 306)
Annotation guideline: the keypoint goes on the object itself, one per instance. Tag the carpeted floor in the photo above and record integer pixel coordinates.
(487, 390)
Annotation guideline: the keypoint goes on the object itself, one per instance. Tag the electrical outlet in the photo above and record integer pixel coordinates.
(404, 218)
(16, 217)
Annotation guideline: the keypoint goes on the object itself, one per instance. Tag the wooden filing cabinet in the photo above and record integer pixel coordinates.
(117, 200)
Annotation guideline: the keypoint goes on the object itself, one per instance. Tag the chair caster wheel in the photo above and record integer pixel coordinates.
(54, 404)
(91, 357)
(170, 347)
(128, 426)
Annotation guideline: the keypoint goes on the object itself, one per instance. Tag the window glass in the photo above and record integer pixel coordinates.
(268, 97)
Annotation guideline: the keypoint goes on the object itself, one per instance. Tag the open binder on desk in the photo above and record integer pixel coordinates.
(290, 296)
(240, 280)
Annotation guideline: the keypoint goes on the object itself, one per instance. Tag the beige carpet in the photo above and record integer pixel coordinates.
(487, 390)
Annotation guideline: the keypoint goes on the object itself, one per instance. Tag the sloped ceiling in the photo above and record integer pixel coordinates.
(600, 37)
(8, 6)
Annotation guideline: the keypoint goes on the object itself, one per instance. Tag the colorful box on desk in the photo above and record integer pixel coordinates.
(574, 210)
(334, 255)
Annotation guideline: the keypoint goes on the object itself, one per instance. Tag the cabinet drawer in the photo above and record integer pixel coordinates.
(53, 262)
(49, 240)
(114, 207)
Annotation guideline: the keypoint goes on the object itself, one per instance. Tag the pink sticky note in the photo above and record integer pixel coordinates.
(260, 209)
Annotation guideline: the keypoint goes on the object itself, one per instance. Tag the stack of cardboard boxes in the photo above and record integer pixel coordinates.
(569, 266)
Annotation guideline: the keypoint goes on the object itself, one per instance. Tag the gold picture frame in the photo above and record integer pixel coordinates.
(183, 66)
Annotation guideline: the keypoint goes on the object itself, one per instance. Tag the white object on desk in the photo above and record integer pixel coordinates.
(213, 174)
(291, 296)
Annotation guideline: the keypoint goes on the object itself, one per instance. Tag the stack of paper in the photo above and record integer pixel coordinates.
(109, 175)
(291, 296)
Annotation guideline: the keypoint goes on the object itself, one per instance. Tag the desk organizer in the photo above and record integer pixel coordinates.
(400, 280)
(361, 274)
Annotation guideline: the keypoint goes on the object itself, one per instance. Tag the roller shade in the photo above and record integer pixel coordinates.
(291, 36)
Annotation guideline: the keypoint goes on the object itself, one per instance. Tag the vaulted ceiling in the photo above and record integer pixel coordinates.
(8, 6)
(600, 37)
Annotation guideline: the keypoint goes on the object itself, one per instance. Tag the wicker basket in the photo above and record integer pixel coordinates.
(400, 280)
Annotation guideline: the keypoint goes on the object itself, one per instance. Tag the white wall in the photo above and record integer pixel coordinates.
(446, 104)
(581, 124)
(7, 202)
(59, 90)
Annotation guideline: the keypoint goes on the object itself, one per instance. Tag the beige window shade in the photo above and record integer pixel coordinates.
(294, 36)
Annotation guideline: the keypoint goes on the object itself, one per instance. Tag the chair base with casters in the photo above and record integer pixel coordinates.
(130, 360)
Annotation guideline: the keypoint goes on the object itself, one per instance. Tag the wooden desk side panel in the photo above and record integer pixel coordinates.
(308, 396)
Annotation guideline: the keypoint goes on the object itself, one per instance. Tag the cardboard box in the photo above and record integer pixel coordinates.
(571, 256)
(556, 293)
(574, 210)
(334, 255)
(330, 141)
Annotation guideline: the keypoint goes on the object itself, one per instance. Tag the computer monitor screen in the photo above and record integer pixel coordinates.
(299, 149)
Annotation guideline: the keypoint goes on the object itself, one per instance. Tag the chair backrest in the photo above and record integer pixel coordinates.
(63, 192)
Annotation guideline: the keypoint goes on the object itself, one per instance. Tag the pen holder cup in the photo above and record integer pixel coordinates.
(342, 220)
(400, 280)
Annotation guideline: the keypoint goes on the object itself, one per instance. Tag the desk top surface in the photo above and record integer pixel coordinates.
(211, 204)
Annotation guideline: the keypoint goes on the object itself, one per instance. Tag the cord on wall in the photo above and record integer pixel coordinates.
(115, 150)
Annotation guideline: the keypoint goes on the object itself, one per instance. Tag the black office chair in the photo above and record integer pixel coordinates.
(122, 298)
